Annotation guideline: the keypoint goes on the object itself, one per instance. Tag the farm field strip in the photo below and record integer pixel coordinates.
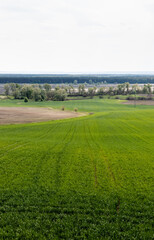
(83, 178)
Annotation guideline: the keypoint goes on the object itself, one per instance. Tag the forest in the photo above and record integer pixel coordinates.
(77, 78)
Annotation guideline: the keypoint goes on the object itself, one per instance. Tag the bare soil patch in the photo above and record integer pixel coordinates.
(13, 115)
(140, 102)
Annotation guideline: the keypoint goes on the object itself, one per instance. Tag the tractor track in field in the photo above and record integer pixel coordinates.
(48, 156)
(142, 139)
(96, 181)
(108, 166)
(61, 152)
(22, 145)
(39, 137)
(92, 158)
(47, 132)
(42, 136)
(105, 158)
(110, 169)
(9, 145)
(10, 150)
(118, 206)
(18, 145)
(42, 159)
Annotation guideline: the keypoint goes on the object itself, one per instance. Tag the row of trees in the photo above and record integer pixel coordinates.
(120, 89)
(126, 89)
(35, 92)
(45, 91)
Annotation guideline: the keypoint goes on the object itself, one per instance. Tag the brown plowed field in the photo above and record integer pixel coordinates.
(12, 115)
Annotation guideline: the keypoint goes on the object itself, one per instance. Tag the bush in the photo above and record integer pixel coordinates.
(130, 98)
(25, 99)
(100, 96)
(141, 98)
(85, 94)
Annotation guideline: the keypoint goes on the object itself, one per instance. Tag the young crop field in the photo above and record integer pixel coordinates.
(84, 178)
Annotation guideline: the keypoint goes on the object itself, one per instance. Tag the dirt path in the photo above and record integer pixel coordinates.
(12, 115)
(140, 102)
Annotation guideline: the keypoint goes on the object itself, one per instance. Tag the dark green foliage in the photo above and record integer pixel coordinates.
(17, 94)
(32, 215)
(47, 87)
(59, 95)
(7, 89)
(25, 99)
(79, 78)
(100, 96)
(35, 92)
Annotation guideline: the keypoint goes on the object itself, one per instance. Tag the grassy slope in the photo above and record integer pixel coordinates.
(85, 178)
(88, 105)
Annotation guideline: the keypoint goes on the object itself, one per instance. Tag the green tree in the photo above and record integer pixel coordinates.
(75, 82)
(102, 91)
(81, 89)
(59, 95)
(37, 94)
(7, 89)
(57, 88)
(12, 87)
(90, 82)
(127, 85)
(47, 87)
(17, 94)
(25, 99)
(110, 91)
(91, 92)
(43, 95)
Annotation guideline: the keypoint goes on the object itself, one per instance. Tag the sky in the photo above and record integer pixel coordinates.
(55, 36)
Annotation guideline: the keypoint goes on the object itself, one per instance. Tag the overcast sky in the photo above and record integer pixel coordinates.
(76, 35)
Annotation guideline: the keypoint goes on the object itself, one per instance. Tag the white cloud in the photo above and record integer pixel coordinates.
(76, 35)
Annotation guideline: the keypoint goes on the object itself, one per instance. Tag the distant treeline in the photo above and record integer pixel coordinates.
(76, 78)
(41, 92)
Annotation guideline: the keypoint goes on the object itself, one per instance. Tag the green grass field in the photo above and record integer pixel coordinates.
(84, 178)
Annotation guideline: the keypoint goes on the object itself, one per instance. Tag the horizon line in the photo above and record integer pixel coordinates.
(105, 72)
